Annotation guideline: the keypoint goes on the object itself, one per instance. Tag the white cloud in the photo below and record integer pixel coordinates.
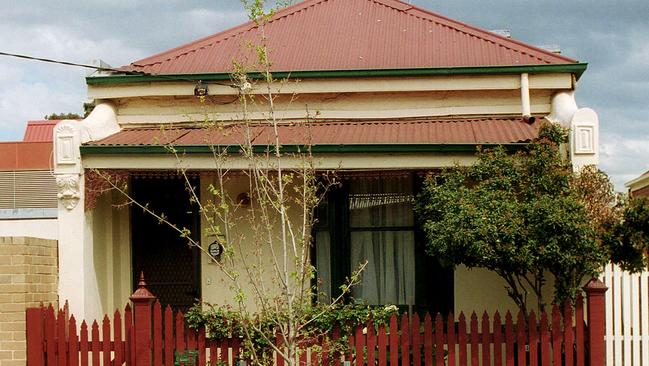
(624, 158)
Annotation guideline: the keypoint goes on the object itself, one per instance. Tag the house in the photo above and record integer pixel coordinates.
(28, 233)
(28, 205)
(639, 187)
(387, 92)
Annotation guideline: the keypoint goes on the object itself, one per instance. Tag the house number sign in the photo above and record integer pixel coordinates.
(215, 249)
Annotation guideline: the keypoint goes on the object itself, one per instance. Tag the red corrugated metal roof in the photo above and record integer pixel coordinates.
(430, 131)
(39, 131)
(25, 155)
(350, 35)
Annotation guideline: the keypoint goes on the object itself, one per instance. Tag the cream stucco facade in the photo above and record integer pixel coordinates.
(95, 245)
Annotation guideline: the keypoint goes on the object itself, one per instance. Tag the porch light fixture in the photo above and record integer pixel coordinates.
(200, 90)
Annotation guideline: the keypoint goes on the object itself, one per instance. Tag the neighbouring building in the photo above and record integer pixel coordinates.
(392, 92)
(639, 187)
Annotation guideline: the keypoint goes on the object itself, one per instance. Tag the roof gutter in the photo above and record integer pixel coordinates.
(574, 68)
(321, 149)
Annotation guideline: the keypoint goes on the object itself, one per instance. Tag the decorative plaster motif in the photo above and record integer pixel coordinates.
(68, 190)
(584, 139)
(65, 146)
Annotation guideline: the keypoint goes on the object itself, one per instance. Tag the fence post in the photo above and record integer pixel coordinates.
(34, 336)
(595, 290)
(142, 300)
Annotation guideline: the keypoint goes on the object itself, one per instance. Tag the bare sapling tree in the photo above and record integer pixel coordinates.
(265, 232)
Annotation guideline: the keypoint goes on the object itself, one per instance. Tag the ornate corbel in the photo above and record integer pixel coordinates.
(68, 190)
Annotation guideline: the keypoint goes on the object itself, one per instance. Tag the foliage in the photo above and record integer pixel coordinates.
(521, 215)
(628, 239)
(318, 320)
(63, 116)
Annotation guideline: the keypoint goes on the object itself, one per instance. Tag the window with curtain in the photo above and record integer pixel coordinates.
(381, 233)
(371, 219)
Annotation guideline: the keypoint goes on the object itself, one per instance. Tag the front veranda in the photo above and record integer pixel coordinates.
(367, 216)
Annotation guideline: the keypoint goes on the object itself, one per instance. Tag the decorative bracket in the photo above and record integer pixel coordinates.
(68, 190)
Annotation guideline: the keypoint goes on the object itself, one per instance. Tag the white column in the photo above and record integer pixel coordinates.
(74, 240)
(77, 275)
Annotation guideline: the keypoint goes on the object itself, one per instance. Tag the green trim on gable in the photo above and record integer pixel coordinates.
(320, 149)
(575, 68)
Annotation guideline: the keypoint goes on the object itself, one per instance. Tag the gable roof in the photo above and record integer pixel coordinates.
(328, 35)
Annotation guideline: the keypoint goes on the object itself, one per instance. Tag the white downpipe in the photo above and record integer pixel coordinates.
(525, 96)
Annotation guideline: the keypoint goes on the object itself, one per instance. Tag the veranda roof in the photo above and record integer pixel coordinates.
(457, 134)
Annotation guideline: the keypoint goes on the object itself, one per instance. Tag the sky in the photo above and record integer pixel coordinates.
(611, 36)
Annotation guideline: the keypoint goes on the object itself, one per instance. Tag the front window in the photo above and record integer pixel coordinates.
(382, 233)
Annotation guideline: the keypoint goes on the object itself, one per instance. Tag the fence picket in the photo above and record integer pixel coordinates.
(360, 345)
(382, 344)
(579, 330)
(405, 340)
(279, 360)
(324, 357)
(439, 340)
(105, 341)
(223, 354)
(168, 341)
(556, 335)
(415, 332)
(509, 340)
(157, 333)
(475, 356)
(545, 340)
(35, 336)
(428, 340)
(180, 332)
(61, 338)
(533, 339)
(213, 352)
(73, 342)
(50, 335)
(568, 335)
(635, 318)
(336, 354)
(461, 335)
(83, 346)
(450, 326)
(498, 340)
(201, 347)
(644, 315)
(117, 334)
(521, 340)
(486, 343)
(128, 335)
(617, 317)
(394, 341)
(96, 357)
(371, 343)
(626, 318)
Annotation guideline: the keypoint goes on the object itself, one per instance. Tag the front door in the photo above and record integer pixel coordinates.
(171, 267)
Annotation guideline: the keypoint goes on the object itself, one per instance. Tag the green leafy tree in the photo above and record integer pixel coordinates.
(524, 216)
(628, 238)
(63, 116)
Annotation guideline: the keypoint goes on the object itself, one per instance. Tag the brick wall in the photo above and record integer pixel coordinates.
(642, 192)
(28, 276)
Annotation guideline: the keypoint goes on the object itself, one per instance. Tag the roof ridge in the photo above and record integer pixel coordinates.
(486, 35)
(228, 33)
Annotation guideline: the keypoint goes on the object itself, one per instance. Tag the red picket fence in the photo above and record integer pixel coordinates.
(147, 335)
